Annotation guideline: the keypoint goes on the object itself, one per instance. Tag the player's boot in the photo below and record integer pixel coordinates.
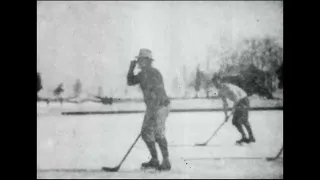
(153, 163)
(249, 130)
(165, 165)
(251, 140)
(242, 140)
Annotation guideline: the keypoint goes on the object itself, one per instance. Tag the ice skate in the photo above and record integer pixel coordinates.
(241, 141)
(165, 165)
(251, 140)
(152, 164)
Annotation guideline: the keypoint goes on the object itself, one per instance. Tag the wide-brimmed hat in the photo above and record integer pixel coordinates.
(145, 53)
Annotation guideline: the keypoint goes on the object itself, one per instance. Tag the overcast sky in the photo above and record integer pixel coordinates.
(95, 41)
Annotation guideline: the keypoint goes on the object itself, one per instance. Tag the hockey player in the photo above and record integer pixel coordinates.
(157, 102)
(241, 104)
(39, 83)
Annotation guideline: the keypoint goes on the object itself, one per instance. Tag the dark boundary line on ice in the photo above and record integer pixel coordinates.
(173, 111)
(188, 159)
(69, 170)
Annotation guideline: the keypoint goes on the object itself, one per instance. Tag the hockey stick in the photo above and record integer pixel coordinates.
(205, 143)
(115, 169)
(276, 157)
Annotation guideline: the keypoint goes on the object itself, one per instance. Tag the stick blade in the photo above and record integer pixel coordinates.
(201, 144)
(271, 158)
(108, 169)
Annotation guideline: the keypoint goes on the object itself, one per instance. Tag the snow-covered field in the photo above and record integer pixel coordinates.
(88, 142)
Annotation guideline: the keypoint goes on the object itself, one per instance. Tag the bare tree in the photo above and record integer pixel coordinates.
(58, 91)
(77, 88)
(100, 91)
(185, 79)
(207, 84)
(197, 81)
(176, 85)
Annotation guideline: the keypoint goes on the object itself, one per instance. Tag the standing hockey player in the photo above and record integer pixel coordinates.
(157, 102)
(39, 83)
(241, 104)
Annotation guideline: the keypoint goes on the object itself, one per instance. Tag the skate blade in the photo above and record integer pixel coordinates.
(270, 159)
(149, 169)
(164, 170)
(239, 144)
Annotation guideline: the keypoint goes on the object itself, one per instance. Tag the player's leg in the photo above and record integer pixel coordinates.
(236, 121)
(161, 117)
(245, 120)
(147, 134)
(247, 125)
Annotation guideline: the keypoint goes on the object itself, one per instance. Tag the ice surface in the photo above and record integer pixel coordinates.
(56, 108)
(93, 141)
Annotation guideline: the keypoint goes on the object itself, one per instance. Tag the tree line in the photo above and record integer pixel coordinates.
(77, 90)
(255, 68)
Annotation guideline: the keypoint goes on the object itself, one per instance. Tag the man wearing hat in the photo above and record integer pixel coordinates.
(157, 102)
(39, 83)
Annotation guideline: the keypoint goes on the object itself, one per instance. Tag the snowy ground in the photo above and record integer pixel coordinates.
(88, 142)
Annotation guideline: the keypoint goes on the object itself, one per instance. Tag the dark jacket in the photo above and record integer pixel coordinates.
(152, 86)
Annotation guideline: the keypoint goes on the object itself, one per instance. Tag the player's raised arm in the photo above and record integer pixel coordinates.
(131, 78)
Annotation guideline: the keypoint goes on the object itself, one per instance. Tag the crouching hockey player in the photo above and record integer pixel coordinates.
(157, 102)
(241, 104)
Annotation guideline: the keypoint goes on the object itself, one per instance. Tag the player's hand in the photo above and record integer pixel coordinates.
(226, 118)
(133, 63)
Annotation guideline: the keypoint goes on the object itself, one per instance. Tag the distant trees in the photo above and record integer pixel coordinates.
(176, 85)
(198, 80)
(100, 91)
(77, 88)
(202, 81)
(58, 91)
(255, 67)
